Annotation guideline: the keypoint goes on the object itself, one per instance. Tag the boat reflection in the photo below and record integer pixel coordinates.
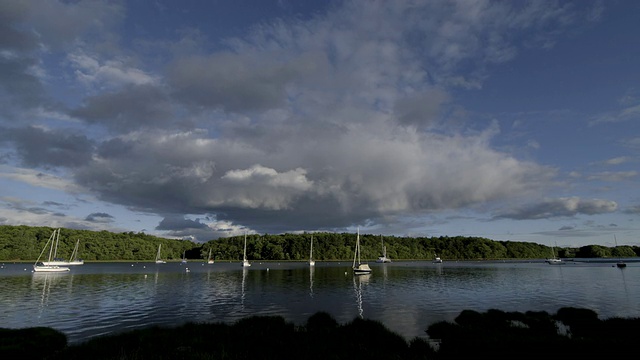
(48, 281)
(245, 270)
(358, 281)
(311, 271)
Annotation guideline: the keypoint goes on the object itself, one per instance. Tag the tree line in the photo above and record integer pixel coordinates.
(25, 243)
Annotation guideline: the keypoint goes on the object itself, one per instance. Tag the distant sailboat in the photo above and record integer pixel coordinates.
(553, 260)
(437, 259)
(210, 259)
(359, 268)
(311, 261)
(245, 262)
(383, 258)
(158, 257)
(40, 266)
(621, 264)
(184, 257)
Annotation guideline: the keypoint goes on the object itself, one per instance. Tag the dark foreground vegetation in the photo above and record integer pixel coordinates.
(25, 243)
(571, 333)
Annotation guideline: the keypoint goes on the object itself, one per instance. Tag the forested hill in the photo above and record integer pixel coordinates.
(25, 243)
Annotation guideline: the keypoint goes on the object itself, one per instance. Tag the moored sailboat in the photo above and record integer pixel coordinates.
(359, 268)
(553, 260)
(383, 258)
(40, 266)
(311, 261)
(245, 262)
(158, 257)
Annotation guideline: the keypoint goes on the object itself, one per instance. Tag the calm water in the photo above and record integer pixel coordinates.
(102, 298)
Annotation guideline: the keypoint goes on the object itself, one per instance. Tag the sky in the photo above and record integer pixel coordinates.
(510, 120)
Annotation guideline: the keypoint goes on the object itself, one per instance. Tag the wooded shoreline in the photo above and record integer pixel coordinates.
(24, 243)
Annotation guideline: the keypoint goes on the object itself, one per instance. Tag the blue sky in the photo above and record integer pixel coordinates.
(510, 120)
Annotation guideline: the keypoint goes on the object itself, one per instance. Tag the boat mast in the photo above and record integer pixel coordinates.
(357, 253)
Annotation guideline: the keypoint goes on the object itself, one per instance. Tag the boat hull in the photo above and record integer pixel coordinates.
(362, 269)
(50, 268)
(63, 263)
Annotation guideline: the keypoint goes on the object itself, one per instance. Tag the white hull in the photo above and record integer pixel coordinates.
(246, 263)
(554, 261)
(51, 268)
(160, 262)
(63, 263)
(362, 269)
(383, 259)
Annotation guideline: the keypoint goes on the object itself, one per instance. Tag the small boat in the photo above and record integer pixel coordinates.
(40, 266)
(245, 262)
(158, 257)
(437, 260)
(210, 259)
(184, 257)
(553, 260)
(311, 261)
(383, 258)
(359, 268)
(620, 264)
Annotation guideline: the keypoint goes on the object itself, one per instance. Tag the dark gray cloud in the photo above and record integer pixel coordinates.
(561, 207)
(130, 108)
(99, 217)
(40, 147)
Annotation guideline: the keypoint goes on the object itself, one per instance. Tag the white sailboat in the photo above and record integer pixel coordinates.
(437, 259)
(73, 259)
(209, 258)
(54, 260)
(359, 268)
(311, 261)
(40, 266)
(184, 257)
(621, 264)
(245, 262)
(553, 260)
(383, 258)
(158, 257)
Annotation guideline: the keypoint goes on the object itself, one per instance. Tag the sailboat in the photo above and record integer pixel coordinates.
(311, 261)
(383, 258)
(184, 257)
(245, 262)
(621, 264)
(158, 258)
(553, 260)
(437, 259)
(209, 258)
(40, 266)
(359, 268)
(54, 260)
(73, 259)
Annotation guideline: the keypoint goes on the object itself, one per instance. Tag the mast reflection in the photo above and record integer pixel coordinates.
(358, 281)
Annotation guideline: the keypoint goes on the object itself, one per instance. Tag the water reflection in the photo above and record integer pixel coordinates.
(103, 298)
(358, 281)
(311, 270)
(244, 279)
(47, 281)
